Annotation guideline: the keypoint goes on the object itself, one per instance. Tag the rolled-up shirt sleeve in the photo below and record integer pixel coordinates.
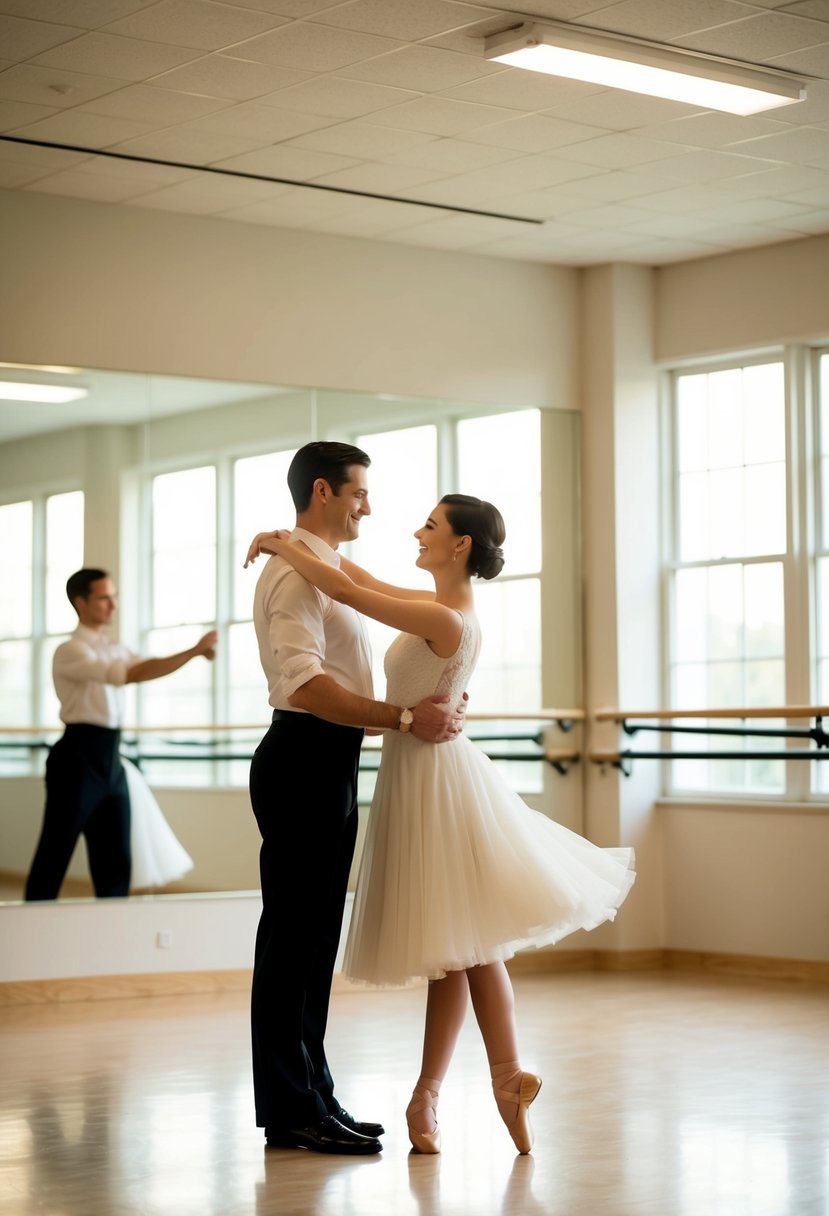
(75, 660)
(296, 612)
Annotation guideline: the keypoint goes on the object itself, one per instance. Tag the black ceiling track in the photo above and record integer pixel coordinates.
(263, 177)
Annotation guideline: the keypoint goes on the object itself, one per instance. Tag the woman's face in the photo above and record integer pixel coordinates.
(438, 543)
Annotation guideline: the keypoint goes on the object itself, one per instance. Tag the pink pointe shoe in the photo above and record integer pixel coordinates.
(519, 1128)
(423, 1099)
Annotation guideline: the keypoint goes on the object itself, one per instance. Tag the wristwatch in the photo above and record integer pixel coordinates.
(406, 720)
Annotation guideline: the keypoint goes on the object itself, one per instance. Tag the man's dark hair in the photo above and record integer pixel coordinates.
(329, 460)
(79, 584)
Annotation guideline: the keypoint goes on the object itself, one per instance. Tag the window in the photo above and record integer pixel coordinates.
(495, 457)
(734, 587)
(821, 576)
(42, 541)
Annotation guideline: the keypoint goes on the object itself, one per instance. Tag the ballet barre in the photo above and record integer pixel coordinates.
(664, 721)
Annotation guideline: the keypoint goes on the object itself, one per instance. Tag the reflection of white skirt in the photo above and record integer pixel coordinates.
(157, 855)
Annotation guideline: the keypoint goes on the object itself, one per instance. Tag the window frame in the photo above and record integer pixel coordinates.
(804, 495)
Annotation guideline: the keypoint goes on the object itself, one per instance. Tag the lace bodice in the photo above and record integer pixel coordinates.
(414, 671)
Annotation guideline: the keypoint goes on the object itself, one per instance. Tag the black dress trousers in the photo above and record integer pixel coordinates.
(303, 788)
(86, 794)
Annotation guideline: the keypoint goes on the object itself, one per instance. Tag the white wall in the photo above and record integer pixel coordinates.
(123, 288)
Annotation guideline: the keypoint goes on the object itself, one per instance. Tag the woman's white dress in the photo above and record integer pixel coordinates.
(157, 856)
(457, 870)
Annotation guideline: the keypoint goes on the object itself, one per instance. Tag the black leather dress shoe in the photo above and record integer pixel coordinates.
(327, 1136)
(373, 1130)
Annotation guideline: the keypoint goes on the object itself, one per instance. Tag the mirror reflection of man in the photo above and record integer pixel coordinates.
(86, 786)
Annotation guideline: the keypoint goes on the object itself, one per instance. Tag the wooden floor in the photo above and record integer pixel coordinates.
(665, 1094)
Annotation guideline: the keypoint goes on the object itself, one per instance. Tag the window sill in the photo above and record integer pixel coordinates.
(700, 802)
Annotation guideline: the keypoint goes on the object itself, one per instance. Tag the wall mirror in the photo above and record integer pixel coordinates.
(163, 480)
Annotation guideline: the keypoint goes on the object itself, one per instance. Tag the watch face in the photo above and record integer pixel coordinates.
(407, 717)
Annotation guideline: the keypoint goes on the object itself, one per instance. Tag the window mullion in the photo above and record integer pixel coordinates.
(796, 565)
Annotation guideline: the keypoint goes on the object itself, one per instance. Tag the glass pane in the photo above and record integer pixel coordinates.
(824, 449)
(764, 610)
(49, 703)
(508, 675)
(248, 689)
(184, 547)
(764, 506)
(402, 483)
(16, 683)
(692, 418)
(693, 517)
(731, 453)
(261, 501)
(691, 615)
(725, 613)
(64, 555)
(499, 459)
(16, 587)
(185, 697)
(765, 418)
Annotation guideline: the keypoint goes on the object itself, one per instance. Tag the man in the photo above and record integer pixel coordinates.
(86, 786)
(303, 786)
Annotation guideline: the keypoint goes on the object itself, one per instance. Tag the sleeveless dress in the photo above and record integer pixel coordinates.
(457, 870)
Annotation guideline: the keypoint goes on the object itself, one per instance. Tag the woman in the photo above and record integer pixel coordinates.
(458, 873)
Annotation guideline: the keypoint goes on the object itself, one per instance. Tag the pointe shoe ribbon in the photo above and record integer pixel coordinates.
(520, 1129)
(423, 1099)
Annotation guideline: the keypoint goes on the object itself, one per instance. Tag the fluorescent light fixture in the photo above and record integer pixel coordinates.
(620, 62)
(51, 394)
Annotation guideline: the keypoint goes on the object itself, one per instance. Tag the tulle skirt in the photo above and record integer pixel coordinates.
(457, 871)
(158, 858)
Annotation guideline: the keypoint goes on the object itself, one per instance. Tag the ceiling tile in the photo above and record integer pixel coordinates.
(188, 146)
(14, 114)
(295, 164)
(457, 231)
(619, 110)
(227, 76)
(517, 90)
(534, 133)
(707, 166)
(794, 147)
(84, 130)
(87, 13)
(57, 89)
(422, 68)
(440, 116)
(335, 97)
(313, 48)
(377, 179)
(203, 24)
(123, 58)
(297, 9)
(363, 141)
(754, 211)
(617, 186)
(710, 130)
(618, 151)
(21, 39)
(75, 183)
(759, 37)
(206, 194)
(14, 174)
(296, 206)
(51, 160)
(145, 103)
(401, 18)
(250, 120)
(452, 156)
(664, 21)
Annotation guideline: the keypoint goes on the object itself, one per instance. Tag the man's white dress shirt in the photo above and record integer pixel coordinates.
(303, 633)
(89, 672)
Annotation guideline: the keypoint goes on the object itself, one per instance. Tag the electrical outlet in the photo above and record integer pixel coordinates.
(164, 939)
